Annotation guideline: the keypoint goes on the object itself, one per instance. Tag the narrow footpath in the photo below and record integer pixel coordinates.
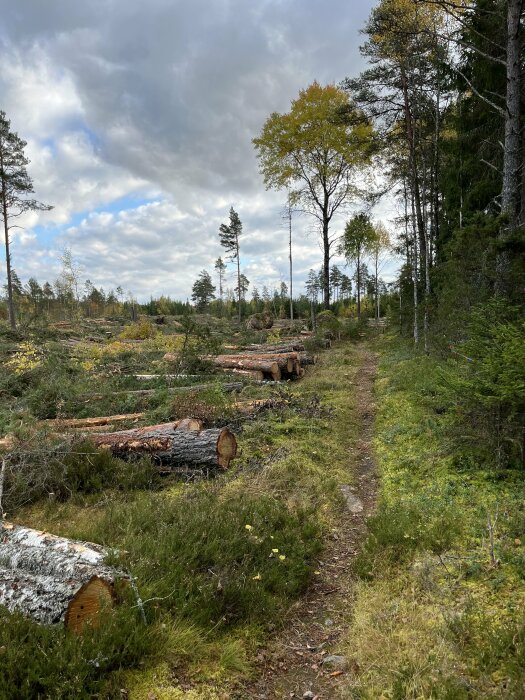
(304, 661)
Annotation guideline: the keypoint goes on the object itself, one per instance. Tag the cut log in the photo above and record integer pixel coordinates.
(306, 359)
(177, 444)
(269, 367)
(55, 580)
(285, 361)
(275, 349)
(149, 377)
(90, 422)
(228, 388)
(254, 374)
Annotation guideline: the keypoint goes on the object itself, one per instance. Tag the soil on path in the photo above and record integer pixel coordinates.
(294, 665)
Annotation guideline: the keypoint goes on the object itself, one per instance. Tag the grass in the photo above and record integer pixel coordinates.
(223, 560)
(438, 608)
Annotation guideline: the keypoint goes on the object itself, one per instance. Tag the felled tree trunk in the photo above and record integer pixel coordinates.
(177, 444)
(91, 422)
(285, 361)
(54, 580)
(254, 374)
(228, 388)
(269, 367)
(277, 348)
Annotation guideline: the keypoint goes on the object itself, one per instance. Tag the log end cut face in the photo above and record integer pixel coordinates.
(89, 603)
(226, 448)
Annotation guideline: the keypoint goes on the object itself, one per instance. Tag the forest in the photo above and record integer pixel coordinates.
(274, 492)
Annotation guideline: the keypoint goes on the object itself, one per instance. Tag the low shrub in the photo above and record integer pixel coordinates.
(140, 330)
(32, 473)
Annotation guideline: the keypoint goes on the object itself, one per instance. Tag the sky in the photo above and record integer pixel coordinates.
(139, 119)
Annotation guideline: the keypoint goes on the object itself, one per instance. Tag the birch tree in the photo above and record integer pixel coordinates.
(315, 150)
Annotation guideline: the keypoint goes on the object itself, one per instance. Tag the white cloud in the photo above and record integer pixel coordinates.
(158, 103)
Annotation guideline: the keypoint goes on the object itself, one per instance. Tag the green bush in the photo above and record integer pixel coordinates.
(32, 473)
(38, 661)
(140, 330)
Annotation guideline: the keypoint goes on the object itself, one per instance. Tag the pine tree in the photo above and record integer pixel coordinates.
(15, 188)
(229, 235)
(203, 290)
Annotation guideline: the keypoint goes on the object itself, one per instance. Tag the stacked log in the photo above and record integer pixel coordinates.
(269, 367)
(281, 363)
(254, 374)
(175, 444)
(55, 580)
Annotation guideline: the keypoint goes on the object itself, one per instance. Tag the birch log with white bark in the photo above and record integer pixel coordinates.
(54, 580)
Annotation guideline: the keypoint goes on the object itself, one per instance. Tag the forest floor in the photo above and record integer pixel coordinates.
(303, 660)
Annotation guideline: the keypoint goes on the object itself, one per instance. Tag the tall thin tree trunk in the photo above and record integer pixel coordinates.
(414, 273)
(290, 256)
(326, 265)
(238, 278)
(10, 299)
(377, 282)
(358, 286)
(511, 158)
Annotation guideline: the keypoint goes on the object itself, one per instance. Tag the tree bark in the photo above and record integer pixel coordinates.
(254, 374)
(269, 367)
(89, 422)
(511, 158)
(228, 387)
(172, 445)
(326, 262)
(54, 580)
(10, 298)
(275, 349)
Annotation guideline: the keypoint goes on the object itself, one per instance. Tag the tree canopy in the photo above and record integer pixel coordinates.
(314, 150)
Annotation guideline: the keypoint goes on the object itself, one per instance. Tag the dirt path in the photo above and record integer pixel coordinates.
(293, 666)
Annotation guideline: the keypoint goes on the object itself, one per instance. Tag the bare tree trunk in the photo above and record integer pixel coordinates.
(358, 285)
(239, 294)
(511, 158)
(326, 264)
(10, 299)
(414, 275)
(290, 256)
(376, 260)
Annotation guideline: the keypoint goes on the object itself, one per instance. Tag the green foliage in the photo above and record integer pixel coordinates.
(487, 385)
(438, 605)
(140, 330)
(196, 552)
(34, 471)
(203, 290)
(46, 662)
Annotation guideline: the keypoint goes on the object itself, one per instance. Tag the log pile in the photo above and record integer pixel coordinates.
(277, 365)
(54, 580)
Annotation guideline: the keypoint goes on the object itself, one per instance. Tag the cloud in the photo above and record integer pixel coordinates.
(139, 120)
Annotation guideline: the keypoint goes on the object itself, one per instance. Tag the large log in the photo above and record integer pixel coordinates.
(285, 361)
(172, 445)
(54, 580)
(269, 367)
